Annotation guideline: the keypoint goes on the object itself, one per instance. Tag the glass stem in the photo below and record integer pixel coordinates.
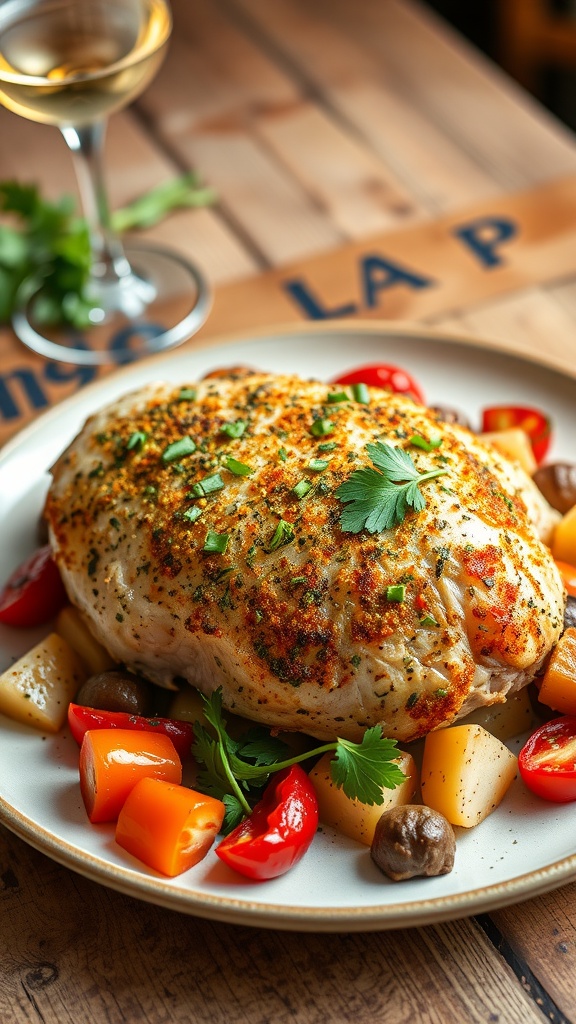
(109, 263)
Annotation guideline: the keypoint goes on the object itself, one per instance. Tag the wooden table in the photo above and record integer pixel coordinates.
(321, 124)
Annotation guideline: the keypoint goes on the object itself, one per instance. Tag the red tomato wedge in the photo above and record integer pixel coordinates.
(81, 719)
(532, 421)
(547, 761)
(112, 761)
(386, 376)
(34, 593)
(168, 827)
(279, 830)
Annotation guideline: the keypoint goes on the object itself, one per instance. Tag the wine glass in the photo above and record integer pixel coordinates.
(71, 63)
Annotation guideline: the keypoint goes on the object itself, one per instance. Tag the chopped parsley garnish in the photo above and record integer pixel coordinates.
(321, 427)
(379, 498)
(283, 534)
(302, 488)
(136, 441)
(396, 592)
(186, 395)
(361, 394)
(426, 446)
(178, 449)
(282, 454)
(216, 543)
(234, 770)
(209, 485)
(428, 620)
(238, 468)
(235, 429)
(318, 465)
(298, 579)
(338, 396)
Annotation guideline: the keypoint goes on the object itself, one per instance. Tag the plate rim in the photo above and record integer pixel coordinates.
(233, 910)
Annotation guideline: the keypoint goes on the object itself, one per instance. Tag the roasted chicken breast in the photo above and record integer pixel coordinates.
(199, 530)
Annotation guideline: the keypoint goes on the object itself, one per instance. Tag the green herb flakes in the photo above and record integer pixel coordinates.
(209, 485)
(283, 534)
(136, 441)
(396, 592)
(233, 430)
(192, 514)
(318, 465)
(238, 468)
(361, 394)
(302, 488)
(338, 396)
(321, 427)
(178, 449)
(215, 543)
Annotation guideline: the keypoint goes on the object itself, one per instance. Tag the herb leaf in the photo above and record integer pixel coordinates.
(236, 770)
(379, 498)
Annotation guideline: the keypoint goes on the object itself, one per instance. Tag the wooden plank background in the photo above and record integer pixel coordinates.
(322, 124)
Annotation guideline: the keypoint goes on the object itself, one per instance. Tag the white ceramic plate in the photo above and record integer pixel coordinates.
(524, 848)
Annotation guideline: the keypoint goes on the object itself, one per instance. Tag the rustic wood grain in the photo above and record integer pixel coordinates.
(72, 952)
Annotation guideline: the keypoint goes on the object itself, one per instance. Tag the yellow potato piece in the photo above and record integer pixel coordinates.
(465, 773)
(564, 539)
(352, 817)
(505, 720)
(71, 626)
(515, 444)
(37, 689)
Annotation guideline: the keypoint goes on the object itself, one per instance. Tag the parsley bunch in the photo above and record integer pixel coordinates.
(48, 238)
(235, 771)
(379, 498)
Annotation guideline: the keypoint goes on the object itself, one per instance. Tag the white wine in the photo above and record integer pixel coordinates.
(73, 62)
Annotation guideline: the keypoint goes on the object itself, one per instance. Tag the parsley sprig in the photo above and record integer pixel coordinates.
(236, 770)
(39, 236)
(379, 498)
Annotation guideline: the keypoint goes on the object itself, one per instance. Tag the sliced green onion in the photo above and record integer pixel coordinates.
(187, 395)
(298, 579)
(338, 396)
(361, 394)
(216, 543)
(235, 429)
(136, 441)
(321, 427)
(318, 465)
(426, 446)
(192, 514)
(282, 454)
(396, 592)
(283, 534)
(176, 450)
(328, 446)
(238, 468)
(209, 485)
(301, 488)
(428, 620)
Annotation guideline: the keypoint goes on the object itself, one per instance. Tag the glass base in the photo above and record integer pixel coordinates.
(160, 304)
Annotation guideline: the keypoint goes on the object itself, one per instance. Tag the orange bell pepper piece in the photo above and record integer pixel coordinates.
(112, 761)
(558, 689)
(568, 574)
(170, 828)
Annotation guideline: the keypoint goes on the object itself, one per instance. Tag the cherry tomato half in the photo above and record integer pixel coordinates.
(34, 592)
(547, 761)
(383, 375)
(532, 421)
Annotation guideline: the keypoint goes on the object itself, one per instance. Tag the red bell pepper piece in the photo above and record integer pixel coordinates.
(548, 758)
(385, 376)
(279, 830)
(34, 593)
(81, 719)
(532, 421)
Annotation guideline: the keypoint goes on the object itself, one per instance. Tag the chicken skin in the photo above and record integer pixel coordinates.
(198, 529)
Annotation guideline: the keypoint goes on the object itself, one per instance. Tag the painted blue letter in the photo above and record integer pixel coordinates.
(311, 306)
(483, 236)
(379, 273)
